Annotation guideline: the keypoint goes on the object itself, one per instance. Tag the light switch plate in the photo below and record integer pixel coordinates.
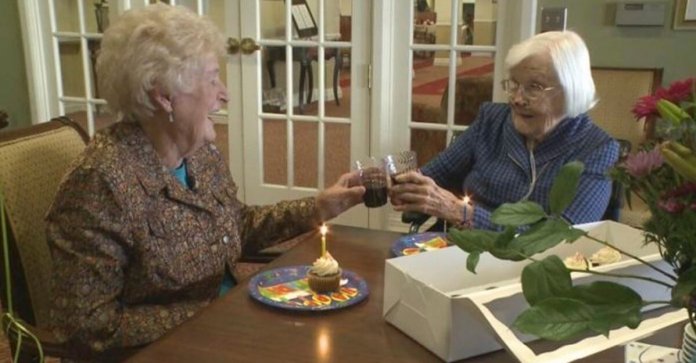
(553, 18)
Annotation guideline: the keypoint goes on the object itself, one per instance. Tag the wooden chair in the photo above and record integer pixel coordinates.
(304, 56)
(33, 161)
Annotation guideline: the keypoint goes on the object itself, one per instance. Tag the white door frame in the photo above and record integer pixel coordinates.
(235, 133)
(43, 99)
(258, 192)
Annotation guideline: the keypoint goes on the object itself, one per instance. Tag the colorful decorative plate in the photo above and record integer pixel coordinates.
(286, 288)
(421, 242)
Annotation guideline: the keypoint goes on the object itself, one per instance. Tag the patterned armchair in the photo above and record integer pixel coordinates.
(33, 161)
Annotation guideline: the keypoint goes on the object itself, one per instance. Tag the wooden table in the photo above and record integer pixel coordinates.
(237, 328)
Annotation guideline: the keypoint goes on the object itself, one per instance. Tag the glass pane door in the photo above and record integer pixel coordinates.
(76, 31)
(452, 62)
(305, 117)
(447, 61)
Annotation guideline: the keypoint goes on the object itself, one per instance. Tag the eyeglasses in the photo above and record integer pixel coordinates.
(531, 91)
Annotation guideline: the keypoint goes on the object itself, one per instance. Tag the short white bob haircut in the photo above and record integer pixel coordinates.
(158, 45)
(571, 61)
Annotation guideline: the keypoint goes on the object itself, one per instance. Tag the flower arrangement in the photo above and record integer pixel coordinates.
(663, 174)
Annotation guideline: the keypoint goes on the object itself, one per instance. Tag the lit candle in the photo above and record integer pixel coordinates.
(323, 231)
(467, 202)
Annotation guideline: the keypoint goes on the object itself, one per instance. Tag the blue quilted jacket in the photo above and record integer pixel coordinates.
(491, 163)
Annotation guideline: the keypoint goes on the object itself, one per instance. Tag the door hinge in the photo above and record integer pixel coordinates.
(369, 76)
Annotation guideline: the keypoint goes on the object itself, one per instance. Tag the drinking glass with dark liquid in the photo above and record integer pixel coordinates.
(399, 163)
(374, 178)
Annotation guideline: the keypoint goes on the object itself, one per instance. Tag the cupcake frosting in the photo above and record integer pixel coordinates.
(605, 255)
(577, 261)
(325, 265)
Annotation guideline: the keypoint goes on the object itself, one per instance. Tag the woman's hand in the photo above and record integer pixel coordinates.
(415, 192)
(341, 196)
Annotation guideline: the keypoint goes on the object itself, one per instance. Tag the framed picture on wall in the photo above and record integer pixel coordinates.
(685, 15)
(303, 20)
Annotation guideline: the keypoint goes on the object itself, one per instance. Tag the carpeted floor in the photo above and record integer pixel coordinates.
(438, 84)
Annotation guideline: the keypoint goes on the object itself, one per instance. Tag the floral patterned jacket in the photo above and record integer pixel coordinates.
(135, 253)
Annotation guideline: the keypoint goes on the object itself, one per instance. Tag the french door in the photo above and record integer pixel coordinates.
(296, 71)
(305, 97)
(449, 59)
(313, 84)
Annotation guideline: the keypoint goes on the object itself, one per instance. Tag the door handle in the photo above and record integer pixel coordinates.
(232, 46)
(249, 46)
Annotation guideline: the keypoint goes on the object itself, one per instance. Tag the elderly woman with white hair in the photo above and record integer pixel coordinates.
(513, 151)
(146, 227)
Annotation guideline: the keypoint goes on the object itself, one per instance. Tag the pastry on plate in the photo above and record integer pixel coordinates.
(605, 255)
(576, 261)
(324, 275)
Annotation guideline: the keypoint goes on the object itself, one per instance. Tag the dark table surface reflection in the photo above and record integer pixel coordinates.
(237, 328)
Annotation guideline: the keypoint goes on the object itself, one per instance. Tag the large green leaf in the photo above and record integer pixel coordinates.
(504, 239)
(564, 187)
(507, 253)
(501, 246)
(545, 235)
(517, 214)
(607, 293)
(473, 240)
(478, 241)
(681, 292)
(544, 279)
(555, 318)
(598, 307)
(614, 305)
(472, 261)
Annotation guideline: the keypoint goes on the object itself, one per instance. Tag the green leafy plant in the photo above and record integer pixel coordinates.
(663, 175)
(558, 309)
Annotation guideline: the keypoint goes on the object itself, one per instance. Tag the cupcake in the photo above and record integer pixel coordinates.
(576, 262)
(605, 256)
(324, 275)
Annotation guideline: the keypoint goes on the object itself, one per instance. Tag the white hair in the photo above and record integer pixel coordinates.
(571, 62)
(158, 45)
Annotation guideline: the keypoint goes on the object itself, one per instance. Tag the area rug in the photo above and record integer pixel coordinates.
(437, 86)
(424, 65)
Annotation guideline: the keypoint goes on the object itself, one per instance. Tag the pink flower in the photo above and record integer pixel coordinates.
(646, 106)
(677, 92)
(642, 163)
(685, 189)
(671, 205)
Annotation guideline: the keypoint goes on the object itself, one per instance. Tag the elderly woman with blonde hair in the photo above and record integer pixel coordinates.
(513, 150)
(146, 227)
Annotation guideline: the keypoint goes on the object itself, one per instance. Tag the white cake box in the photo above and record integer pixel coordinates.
(456, 314)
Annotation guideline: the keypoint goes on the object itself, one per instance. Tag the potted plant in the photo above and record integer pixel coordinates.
(662, 174)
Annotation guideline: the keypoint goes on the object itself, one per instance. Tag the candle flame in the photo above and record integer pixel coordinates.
(323, 229)
(466, 199)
